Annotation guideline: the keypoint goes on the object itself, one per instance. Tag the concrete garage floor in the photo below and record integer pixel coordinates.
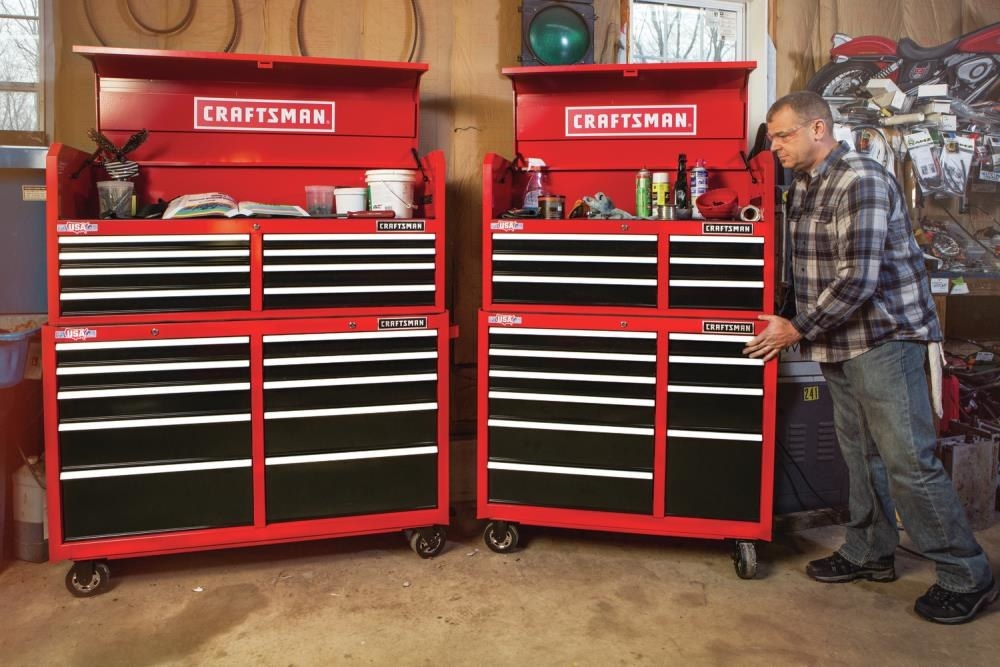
(566, 598)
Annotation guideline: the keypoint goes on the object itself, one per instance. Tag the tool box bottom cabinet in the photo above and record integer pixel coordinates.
(178, 437)
(642, 425)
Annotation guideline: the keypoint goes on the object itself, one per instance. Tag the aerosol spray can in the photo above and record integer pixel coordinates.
(699, 186)
(643, 192)
(661, 194)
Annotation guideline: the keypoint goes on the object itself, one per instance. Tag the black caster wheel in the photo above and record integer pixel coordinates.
(427, 542)
(88, 578)
(501, 537)
(745, 559)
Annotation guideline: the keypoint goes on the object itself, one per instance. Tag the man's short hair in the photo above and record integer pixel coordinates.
(806, 105)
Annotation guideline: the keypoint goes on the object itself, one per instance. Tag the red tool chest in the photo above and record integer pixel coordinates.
(221, 382)
(613, 392)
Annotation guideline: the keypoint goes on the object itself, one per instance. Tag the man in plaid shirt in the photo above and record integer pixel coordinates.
(864, 311)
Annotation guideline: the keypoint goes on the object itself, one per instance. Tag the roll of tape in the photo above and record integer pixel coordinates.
(750, 213)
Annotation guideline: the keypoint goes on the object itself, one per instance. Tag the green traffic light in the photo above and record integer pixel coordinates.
(558, 36)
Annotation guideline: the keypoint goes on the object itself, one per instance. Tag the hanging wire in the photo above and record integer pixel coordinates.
(237, 23)
(300, 13)
(90, 21)
(179, 26)
(416, 30)
(300, 28)
(234, 37)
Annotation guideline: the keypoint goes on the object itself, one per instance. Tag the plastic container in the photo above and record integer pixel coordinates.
(699, 185)
(392, 190)
(350, 200)
(31, 539)
(537, 183)
(319, 199)
(115, 198)
(13, 353)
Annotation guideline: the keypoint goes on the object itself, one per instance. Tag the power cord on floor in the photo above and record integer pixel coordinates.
(788, 455)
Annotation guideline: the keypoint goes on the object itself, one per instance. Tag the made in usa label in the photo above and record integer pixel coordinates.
(76, 227)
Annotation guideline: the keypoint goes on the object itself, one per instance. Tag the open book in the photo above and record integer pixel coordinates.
(217, 204)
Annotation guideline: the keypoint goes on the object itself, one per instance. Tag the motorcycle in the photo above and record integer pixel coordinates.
(969, 64)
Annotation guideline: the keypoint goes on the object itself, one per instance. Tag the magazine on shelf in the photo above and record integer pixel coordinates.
(217, 204)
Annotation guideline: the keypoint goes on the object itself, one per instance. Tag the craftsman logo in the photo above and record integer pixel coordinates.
(506, 226)
(76, 227)
(810, 393)
(402, 323)
(75, 334)
(727, 327)
(655, 120)
(383, 226)
(253, 115)
(504, 319)
(729, 228)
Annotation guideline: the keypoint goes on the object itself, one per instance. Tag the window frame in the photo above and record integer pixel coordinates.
(738, 6)
(43, 89)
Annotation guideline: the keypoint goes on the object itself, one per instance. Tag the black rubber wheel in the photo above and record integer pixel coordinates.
(745, 560)
(428, 542)
(501, 537)
(85, 580)
(842, 79)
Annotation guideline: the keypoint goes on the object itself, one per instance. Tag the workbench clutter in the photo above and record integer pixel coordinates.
(232, 338)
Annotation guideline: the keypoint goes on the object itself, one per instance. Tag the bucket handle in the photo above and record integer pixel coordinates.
(400, 199)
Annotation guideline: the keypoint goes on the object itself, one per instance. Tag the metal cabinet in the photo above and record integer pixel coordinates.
(221, 382)
(613, 391)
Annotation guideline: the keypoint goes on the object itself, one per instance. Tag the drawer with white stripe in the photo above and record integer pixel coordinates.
(715, 403)
(141, 402)
(575, 269)
(716, 386)
(351, 422)
(126, 274)
(571, 417)
(156, 498)
(338, 270)
(716, 272)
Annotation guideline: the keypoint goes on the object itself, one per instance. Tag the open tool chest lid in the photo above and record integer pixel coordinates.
(624, 116)
(233, 109)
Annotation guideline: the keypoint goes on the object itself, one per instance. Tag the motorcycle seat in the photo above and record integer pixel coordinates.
(910, 50)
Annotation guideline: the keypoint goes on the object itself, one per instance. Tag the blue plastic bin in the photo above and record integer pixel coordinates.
(13, 353)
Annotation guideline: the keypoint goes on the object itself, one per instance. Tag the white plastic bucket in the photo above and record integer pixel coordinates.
(350, 199)
(392, 190)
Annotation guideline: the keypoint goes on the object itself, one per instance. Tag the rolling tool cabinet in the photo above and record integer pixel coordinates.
(224, 382)
(613, 392)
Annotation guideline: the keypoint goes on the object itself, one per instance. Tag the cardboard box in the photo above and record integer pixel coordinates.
(933, 90)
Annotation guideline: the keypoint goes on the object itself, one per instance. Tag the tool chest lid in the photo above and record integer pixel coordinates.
(564, 114)
(231, 108)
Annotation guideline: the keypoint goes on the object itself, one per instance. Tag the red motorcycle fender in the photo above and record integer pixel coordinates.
(986, 40)
(866, 45)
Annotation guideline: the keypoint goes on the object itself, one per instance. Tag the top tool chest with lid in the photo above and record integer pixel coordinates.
(220, 382)
(613, 392)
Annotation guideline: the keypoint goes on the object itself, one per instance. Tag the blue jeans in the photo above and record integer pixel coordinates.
(882, 413)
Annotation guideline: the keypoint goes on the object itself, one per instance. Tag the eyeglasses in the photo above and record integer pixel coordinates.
(781, 136)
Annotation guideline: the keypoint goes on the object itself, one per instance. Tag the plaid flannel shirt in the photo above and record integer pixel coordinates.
(858, 275)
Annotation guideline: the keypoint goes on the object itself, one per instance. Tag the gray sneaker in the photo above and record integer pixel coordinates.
(943, 606)
(836, 569)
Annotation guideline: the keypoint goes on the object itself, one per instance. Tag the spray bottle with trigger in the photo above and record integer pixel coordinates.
(537, 183)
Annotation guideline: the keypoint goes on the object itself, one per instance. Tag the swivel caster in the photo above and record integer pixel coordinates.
(427, 542)
(88, 578)
(745, 559)
(501, 537)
